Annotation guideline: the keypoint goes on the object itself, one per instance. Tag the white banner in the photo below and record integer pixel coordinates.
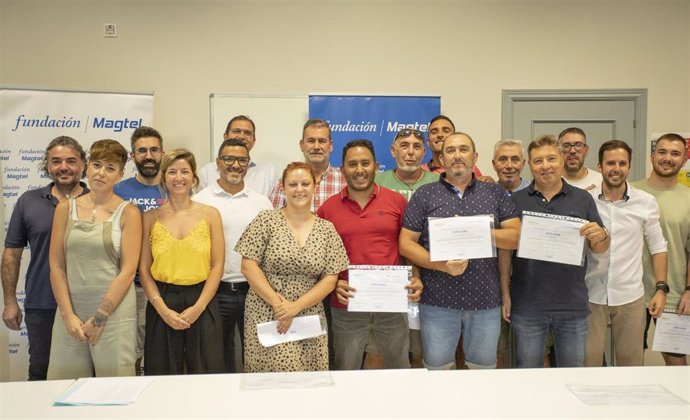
(29, 120)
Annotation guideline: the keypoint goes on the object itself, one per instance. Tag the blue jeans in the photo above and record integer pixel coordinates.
(441, 329)
(39, 329)
(569, 334)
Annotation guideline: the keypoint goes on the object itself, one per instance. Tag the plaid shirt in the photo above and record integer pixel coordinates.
(330, 184)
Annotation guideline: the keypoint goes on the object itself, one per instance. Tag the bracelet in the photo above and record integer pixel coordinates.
(154, 298)
(661, 286)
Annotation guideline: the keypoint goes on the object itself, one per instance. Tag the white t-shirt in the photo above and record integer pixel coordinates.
(588, 183)
(236, 212)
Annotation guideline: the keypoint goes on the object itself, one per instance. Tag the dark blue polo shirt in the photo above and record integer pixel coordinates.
(542, 286)
(478, 287)
(31, 223)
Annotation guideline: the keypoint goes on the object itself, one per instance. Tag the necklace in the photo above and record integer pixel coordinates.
(93, 215)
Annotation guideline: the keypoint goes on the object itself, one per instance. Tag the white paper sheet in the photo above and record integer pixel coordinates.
(104, 391)
(652, 394)
(550, 237)
(380, 288)
(413, 316)
(461, 238)
(285, 380)
(672, 333)
(302, 327)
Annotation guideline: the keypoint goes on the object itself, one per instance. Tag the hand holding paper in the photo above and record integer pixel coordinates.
(461, 238)
(301, 327)
(378, 288)
(344, 291)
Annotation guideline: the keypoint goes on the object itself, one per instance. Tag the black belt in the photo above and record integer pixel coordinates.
(238, 287)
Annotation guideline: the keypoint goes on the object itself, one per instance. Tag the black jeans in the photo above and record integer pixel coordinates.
(231, 301)
(39, 328)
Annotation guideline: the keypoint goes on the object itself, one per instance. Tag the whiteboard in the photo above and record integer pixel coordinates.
(278, 119)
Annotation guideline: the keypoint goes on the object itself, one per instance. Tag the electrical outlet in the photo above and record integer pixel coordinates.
(110, 30)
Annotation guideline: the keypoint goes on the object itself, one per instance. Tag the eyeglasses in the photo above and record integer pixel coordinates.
(239, 131)
(577, 146)
(143, 150)
(230, 160)
(406, 132)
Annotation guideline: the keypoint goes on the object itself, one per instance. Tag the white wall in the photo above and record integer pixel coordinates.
(466, 51)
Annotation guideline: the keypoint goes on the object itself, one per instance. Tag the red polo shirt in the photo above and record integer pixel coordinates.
(370, 234)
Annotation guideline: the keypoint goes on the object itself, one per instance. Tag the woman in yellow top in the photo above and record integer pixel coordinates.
(182, 256)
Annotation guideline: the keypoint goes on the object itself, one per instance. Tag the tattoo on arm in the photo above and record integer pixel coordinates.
(104, 310)
(98, 319)
(106, 307)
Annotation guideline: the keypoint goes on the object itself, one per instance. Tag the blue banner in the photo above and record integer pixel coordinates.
(375, 118)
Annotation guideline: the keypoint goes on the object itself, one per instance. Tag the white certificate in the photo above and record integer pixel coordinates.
(302, 327)
(672, 334)
(461, 238)
(380, 288)
(550, 237)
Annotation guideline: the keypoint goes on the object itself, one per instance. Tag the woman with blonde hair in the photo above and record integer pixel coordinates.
(91, 273)
(182, 257)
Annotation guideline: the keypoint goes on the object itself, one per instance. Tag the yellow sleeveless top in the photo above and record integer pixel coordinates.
(185, 261)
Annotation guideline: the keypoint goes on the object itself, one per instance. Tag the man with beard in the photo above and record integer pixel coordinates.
(614, 278)
(31, 223)
(573, 144)
(460, 296)
(260, 176)
(238, 204)
(548, 296)
(408, 150)
(668, 159)
(368, 219)
(441, 127)
(508, 161)
(142, 190)
(316, 145)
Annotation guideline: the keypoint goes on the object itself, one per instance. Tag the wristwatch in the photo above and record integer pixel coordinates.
(663, 286)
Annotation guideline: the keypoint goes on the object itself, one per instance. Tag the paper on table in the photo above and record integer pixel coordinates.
(672, 333)
(551, 237)
(103, 391)
(286, 380)
(380, 288)
(653, 394)
(461, 238)
(302, 327)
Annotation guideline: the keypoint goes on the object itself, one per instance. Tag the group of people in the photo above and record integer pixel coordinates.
(166, 265)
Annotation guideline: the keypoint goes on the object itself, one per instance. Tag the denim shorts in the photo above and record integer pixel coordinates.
(441, 329)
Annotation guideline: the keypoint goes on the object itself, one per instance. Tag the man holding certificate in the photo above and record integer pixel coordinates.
(614, 278)
(458, 259)
(368, 219)
(669, 157)
(548, 290)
